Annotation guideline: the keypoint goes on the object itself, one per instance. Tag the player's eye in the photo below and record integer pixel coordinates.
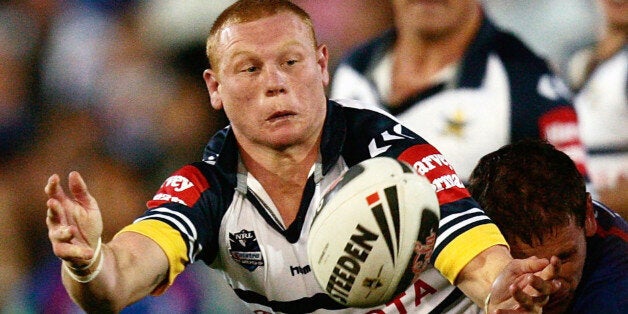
(291, 62)
(250, 69)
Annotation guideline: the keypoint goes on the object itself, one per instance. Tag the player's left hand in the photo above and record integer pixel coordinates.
(524, 286)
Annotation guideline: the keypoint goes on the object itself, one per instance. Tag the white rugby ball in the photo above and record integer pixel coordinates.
(374, 232)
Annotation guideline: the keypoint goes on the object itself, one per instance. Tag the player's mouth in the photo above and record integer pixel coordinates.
(280, 115)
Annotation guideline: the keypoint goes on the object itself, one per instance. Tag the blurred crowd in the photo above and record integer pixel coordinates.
(114, 89)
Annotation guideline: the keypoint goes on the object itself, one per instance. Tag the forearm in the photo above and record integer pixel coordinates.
(478, 275)
(124, 278)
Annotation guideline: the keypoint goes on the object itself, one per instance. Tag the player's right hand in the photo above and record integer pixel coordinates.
(74, 221)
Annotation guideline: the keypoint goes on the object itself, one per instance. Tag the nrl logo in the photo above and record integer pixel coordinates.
(244, 249)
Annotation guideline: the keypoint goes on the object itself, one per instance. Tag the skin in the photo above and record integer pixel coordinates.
(568, 243)
(264, 81)
(431, 35)
(616, 14)
(270, 81)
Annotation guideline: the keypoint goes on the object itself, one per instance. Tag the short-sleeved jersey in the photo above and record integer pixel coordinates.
(498, 93)
(217, 212)
(603, 287)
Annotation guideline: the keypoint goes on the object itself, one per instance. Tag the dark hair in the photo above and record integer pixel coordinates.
(244, 11)
(529, 188)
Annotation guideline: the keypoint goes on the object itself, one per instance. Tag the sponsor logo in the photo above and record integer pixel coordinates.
(185, 187)
(348, 265)
(447, 181)
(168, 198)
(244, 249)
(430, 162)
(179, 183)
(298, 270)
(359, 246)
(381, 143)
(377, 208)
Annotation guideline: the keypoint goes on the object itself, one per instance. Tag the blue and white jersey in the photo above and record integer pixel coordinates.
(217, 212)
(498, 93)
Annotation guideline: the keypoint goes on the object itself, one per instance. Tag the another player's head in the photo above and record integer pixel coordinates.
(537, 197)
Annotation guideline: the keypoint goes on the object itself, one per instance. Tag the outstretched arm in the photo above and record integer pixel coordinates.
(98, 276)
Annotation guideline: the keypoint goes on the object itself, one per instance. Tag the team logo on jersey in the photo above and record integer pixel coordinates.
(455, 124)
(244, 249)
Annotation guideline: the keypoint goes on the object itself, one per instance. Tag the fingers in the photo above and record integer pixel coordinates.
(525, 285)
(79, 189)
(55, 214)
(533, 292)
(531, 264)
(53, 189)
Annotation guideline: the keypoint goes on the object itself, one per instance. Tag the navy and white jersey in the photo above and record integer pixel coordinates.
(217, 212)
(498, 93)
(604, 284)
(602, 107)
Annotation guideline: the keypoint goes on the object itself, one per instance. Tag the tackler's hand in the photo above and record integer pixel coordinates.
(74, 221)
(524, 286)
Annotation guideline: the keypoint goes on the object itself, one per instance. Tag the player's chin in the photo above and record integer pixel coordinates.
(284, 140)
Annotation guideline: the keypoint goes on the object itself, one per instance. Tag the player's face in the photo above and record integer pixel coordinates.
(270, 80)
(434, 18)
(568, 243)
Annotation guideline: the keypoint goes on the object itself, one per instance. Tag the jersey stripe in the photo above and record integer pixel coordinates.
(303, 305)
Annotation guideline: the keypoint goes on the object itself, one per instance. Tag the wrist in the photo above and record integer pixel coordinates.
(487, 300)
(84, 274)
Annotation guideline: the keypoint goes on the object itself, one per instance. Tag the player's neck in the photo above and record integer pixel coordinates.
(418, 59)
(611, 41)
(283, 176)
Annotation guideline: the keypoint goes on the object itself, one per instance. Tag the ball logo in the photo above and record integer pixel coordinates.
(377, 208)
(348, 265)
(359, 246)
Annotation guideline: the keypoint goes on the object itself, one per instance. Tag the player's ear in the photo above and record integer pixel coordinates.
(211, 80)
(322, 58)
(590, 224)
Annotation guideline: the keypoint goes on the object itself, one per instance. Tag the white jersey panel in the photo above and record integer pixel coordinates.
(602, 107)
(458, 123)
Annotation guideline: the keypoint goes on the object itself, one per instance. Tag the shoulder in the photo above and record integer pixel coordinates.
(512, 50)
(610, 222)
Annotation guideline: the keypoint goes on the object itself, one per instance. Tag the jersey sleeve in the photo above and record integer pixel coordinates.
(464, 229)
(170, 242)
(176, 220)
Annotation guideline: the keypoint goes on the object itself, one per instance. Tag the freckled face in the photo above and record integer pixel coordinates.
(270, 80)
(569, 245)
